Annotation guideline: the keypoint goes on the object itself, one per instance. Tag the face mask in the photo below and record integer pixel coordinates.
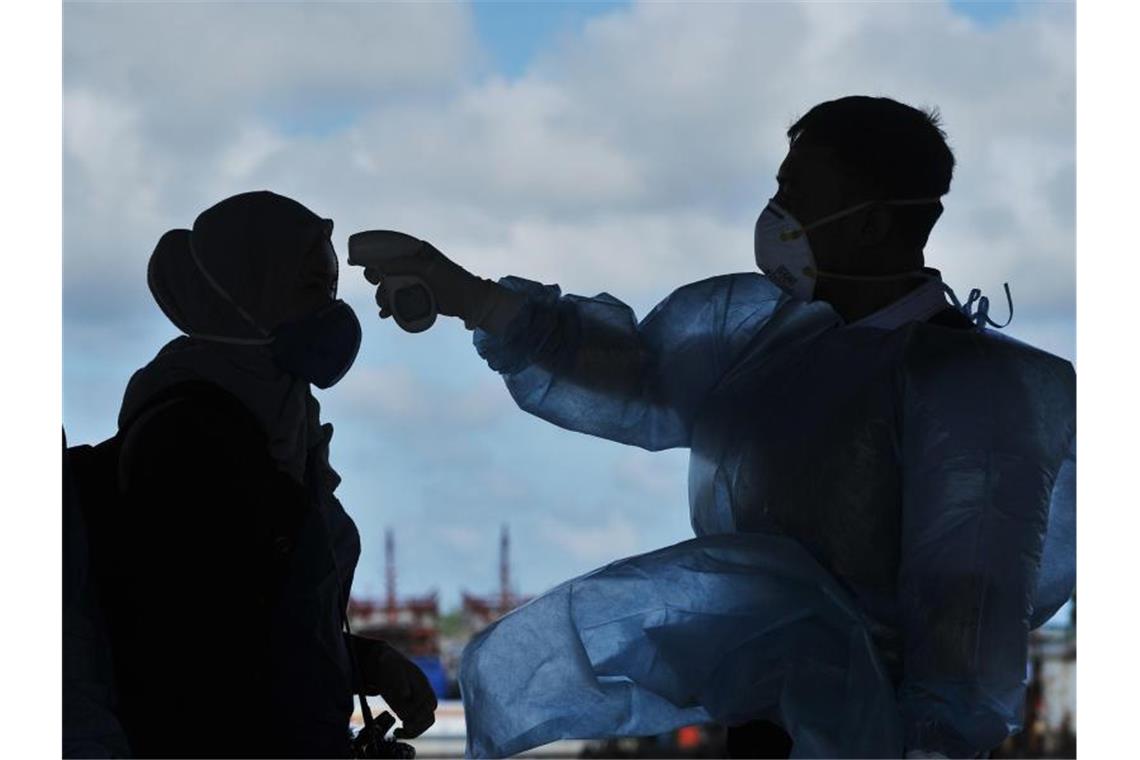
(785, 256)
(320, 347)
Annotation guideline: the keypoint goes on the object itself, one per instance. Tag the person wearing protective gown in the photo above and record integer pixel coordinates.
(881, 487)
(229, 559)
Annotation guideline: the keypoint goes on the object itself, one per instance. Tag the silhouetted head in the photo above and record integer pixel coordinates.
(856, 149)
(250, 263)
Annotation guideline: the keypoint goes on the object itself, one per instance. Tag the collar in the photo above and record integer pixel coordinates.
(918, 305)
(281, 402)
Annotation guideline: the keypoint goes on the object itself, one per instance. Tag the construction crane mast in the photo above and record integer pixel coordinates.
(390, 574)
(505, 569)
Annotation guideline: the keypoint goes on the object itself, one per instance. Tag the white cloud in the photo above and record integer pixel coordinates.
(394, 396)
(652, 476)
(592, 543)
(632, 157)
(635, 155)
(253, 147)
(170, 107)
(192, 60)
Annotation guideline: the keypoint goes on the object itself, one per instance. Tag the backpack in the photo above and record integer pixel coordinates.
(91, 495)
(96, 475)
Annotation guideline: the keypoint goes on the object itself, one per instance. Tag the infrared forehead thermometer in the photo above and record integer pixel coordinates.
(408, 297)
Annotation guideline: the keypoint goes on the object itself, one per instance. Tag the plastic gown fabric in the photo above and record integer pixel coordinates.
(881, 516)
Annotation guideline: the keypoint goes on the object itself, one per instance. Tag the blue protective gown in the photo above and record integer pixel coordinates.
(881, 517)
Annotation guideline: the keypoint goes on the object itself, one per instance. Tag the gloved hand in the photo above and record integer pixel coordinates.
(458, 293)
(405, 688)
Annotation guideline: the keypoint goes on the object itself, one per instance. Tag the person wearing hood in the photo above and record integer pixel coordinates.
(881, 487)
(233, 557)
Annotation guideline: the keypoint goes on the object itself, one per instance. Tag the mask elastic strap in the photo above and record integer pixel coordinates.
(977, 306)
(793, 234)
(233, 341)
(829, 218)
(911, 201)
(229, 299)
(917, 274)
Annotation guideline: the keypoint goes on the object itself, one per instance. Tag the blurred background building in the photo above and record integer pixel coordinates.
(1051, 699)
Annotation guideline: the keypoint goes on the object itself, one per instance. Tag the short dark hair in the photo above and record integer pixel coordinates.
(899, 150)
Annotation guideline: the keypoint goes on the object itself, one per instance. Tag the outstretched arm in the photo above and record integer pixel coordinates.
(587, 364)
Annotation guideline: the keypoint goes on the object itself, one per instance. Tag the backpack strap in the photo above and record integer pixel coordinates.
(199, 391)
(194, 390)
(95, 467)
(98, 476)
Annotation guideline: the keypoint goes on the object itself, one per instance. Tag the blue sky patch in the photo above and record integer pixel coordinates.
(987, 12)
(513, 31)
(317, 120)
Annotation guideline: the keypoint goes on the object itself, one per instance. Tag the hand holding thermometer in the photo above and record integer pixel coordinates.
(407, 296)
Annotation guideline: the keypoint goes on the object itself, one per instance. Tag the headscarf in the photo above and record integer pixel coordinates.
(249, 250)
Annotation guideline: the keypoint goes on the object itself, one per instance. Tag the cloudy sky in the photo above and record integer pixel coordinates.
(609, 146)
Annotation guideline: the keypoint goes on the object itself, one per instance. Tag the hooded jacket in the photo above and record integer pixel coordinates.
(234, 557)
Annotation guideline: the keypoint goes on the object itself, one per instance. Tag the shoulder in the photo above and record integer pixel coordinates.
(738, 288)
(979, 385)
(729, 299)
(936, 353)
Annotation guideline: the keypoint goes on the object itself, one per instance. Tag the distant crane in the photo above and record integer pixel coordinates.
(391, 605)
(505, 569)
(481, 611)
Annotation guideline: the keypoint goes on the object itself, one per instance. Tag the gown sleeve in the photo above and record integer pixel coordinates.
(587, 364)
(987, 429)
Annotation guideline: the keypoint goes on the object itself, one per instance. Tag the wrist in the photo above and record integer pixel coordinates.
(493, 308)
